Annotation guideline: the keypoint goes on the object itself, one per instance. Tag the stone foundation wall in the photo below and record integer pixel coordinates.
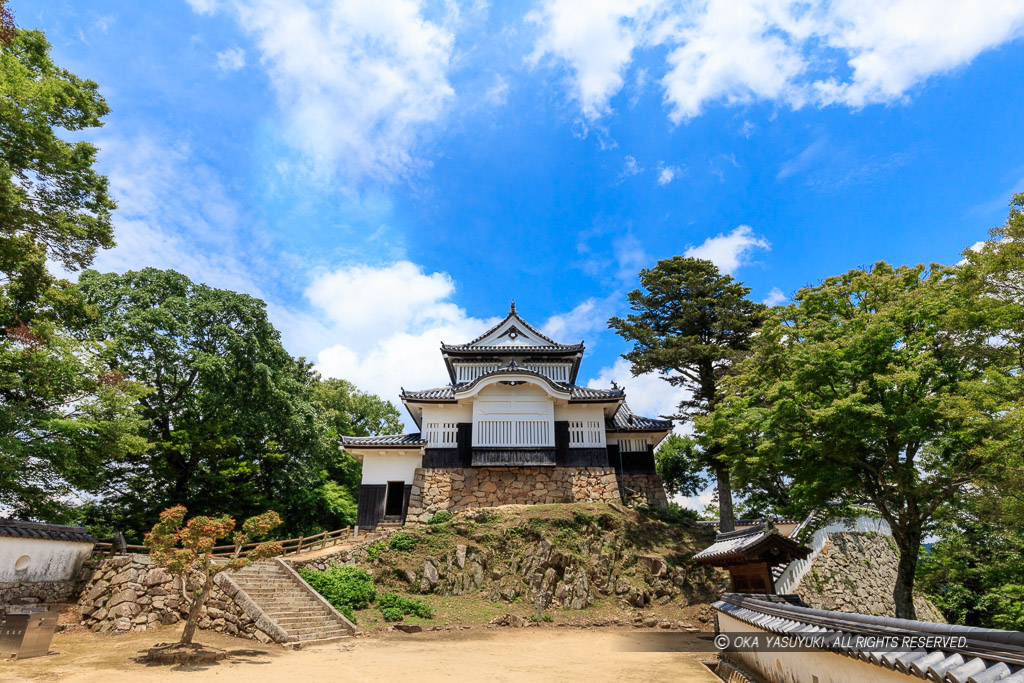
(856, 572)
(131, 593)
(42, 592)
(46, 592)
(454, 489)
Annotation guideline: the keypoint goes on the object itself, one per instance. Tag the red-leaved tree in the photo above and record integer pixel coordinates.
(187, 550)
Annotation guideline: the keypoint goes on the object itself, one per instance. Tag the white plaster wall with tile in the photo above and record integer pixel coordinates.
(41, 560)
(380, 468)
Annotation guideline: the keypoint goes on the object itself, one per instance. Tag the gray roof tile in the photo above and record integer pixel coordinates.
(16, 528)
(626, 420)
(989, 655)
(384, 440)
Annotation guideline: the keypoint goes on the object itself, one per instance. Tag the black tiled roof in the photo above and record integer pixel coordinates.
(736, 544)
(551, 345)
(509, 348)
(439, 394)
(577, 392)
(626, 420)
(16, 528)
(385, 440)
(987, 655)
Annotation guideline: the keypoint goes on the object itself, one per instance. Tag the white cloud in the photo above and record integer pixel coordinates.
(231, 59)
(597, 38)
(497, 94)
(204, 6)
(630, 168)
(775, 297)
(738, 51)
(667, 174)
(647, 395)
(173, 212)
(358, 83)
(729, 251)
(387, 323)
(584, 322)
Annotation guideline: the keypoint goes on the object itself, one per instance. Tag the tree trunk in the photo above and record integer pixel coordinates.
(197, 605)
(909, 546)
(726, 519)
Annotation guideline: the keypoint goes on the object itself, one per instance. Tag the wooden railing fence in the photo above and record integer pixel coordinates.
(292, 546)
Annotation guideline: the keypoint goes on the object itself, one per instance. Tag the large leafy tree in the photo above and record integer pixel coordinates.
(229, 411)
(691, 324)
(867, 390)
(975, 572)
(348, 411)
(63, 413)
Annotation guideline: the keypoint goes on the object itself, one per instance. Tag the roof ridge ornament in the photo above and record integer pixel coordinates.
(512, 308)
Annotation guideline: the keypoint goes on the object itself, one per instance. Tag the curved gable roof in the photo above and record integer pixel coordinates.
(513, 334)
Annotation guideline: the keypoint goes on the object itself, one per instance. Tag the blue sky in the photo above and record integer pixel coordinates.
(388, 175)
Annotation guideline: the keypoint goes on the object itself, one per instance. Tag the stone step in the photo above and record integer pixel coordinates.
(321, 622)
(298, 614)
(317, 636)
(309, 630)
(303, 644)
(283, 594)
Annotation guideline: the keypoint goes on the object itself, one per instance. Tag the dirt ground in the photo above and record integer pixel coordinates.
(546, 653)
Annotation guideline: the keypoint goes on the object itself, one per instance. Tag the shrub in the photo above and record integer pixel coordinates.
(402, 542)
(374, 551)
(392, 604)
(392, 614)
(440, 517)
(347, 588)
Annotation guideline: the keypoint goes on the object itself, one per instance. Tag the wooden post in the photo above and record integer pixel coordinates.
(298, 547)
(323, 544)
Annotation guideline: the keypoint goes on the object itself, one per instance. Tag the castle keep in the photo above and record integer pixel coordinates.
(512, 426)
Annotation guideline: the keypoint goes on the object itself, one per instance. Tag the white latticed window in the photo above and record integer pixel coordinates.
(513, 433)
(467, 372)
(441, 434)
(633, 445)
(585, 434)
(559, 372)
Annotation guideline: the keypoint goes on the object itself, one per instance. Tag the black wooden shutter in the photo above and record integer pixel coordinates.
(464, 441)
(562, 444)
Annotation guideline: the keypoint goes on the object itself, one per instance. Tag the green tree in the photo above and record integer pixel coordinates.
(865, 391)
(63, 412)
(679, 463)
(348, 411)
(975, 572)
(691, 324)
(229, 411)
(354, 412)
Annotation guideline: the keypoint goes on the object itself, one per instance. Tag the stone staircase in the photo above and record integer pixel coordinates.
(301, 616)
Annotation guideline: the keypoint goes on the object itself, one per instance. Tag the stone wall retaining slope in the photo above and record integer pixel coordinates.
(131, 593)
(454, 489)
(855, 573)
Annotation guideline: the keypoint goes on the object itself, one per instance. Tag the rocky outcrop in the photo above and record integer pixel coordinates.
(561, 563)
(455, 489)
(856, 572)
(131, 593)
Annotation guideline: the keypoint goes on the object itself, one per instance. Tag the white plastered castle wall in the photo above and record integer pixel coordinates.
(380, 468)
(502, 403)
(36, 559)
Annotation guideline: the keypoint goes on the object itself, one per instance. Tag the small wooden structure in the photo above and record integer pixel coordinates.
(750, 555)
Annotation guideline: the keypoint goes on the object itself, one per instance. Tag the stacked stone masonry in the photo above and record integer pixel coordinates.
(131, 593)
(856, 572)
(454, 489)
(39, 592)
